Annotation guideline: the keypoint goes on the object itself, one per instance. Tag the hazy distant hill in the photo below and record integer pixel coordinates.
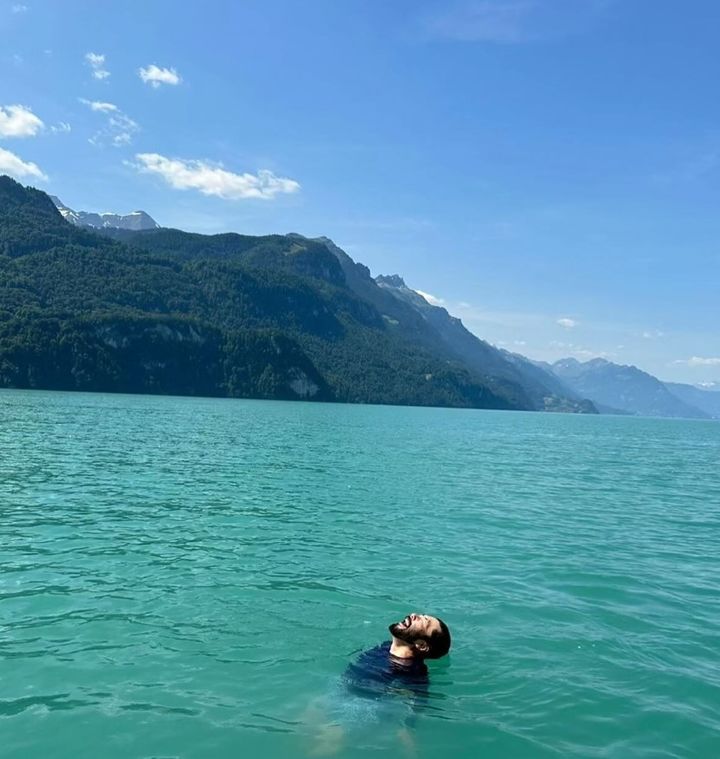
(626, 388)
(705, 400)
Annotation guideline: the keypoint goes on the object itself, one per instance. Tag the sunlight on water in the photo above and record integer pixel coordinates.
(190, 577)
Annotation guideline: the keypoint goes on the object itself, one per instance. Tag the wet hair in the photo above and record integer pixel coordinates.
(439, 642)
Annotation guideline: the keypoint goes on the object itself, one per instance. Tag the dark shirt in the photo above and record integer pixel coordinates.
(377, 673)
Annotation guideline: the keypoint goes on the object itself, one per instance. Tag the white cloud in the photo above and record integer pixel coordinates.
(19, 8)
(567, 323)
(431, 299)
(119, 128)
(652, 334)
(698, 361)
(119, 131)
(96, 61)
(18, 121)
(213, 179)
(62, 127)
(98, 105)
(155, 75)
(16, 167)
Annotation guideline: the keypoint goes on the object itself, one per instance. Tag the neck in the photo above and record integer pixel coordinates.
(402, 650)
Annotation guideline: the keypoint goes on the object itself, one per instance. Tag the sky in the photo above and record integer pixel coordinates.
(547, 170)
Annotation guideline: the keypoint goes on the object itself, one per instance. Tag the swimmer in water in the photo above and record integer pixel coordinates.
(387, 684)
(401, 661)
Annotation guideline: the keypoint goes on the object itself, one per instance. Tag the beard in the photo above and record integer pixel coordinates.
(403, 630)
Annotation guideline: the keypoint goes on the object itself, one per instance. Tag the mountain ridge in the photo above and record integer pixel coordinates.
(135, 220)
(623, 387)
(545, 391)
(228, 315)
(707, 401)
(81, 307)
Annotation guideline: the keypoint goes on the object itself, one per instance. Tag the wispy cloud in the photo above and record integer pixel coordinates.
(14, 166)
(512, 21)
(100, 106)
(652, 334)
(118, 129)
(62, 127)
(18, 121)
(567, 323)
(156, 75)
(213, 179)
(698, 361)
(96, 61)
(433, 300)
(19, 8)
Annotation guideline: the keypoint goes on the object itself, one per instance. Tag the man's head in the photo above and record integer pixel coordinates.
(428, 636)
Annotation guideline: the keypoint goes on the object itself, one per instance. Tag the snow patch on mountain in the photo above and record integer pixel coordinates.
(136, 220)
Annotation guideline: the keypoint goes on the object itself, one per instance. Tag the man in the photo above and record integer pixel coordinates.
(400, 663)
(385, 685)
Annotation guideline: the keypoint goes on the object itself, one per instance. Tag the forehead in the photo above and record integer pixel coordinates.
(432, 624)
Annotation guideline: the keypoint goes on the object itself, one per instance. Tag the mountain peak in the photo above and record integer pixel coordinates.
(136, 220)
(625, 388)
(390, 280)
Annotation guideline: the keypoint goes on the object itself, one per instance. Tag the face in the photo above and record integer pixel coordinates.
(415, 627)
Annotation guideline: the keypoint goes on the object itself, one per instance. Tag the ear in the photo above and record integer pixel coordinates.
(422, 646)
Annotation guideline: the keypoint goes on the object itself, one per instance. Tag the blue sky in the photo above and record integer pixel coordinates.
(547, 169)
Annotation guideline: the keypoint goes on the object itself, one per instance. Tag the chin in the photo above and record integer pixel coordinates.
(401, 629)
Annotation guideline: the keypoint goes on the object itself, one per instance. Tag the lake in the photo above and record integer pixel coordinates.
(184, 577)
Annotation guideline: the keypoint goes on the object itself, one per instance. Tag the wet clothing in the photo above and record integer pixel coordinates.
(380, 688)
(377, 673)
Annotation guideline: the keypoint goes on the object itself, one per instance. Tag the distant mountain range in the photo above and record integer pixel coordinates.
(707, 400)
(117, 303)
(107, 308)
(626, 389)
(136, 220)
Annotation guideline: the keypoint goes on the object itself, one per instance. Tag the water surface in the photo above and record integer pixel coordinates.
(188, 577)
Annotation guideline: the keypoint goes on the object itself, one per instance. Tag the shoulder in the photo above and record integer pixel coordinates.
(377, 654)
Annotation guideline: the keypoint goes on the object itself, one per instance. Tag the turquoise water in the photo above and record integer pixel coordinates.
(189, 577)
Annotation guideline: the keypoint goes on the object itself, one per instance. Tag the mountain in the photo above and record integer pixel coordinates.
(165, 311)
(328, 262)
(625, 388)
(558, 396)
(137, 220)
(542, 388)
(405, 313)
(705, 400)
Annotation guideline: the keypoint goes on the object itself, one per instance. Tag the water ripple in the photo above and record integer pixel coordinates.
(187, 577)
